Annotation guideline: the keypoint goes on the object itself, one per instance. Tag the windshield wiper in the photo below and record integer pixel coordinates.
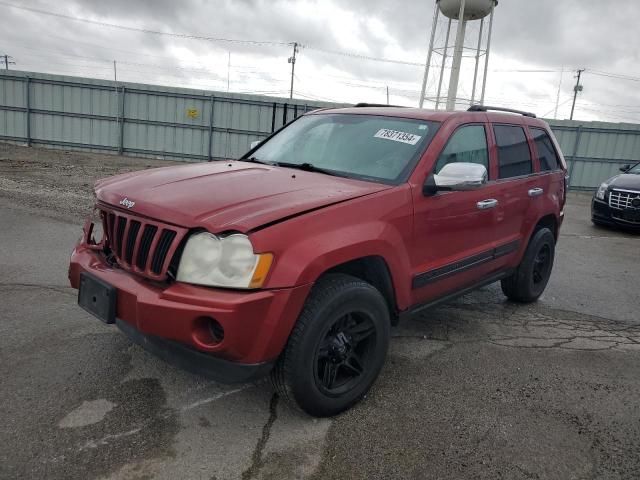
(257, 160)
(308, 167)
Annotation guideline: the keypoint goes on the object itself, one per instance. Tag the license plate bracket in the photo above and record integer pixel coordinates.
(97, 297)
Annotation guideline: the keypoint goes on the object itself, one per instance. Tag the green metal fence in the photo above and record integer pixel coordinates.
(146, 120)
(596, 150)
(137, 119)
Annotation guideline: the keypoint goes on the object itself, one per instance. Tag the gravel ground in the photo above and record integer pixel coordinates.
(59, 183)
(477, 389)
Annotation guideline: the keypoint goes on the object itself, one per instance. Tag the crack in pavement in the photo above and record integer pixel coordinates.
(56, 288)
(256, 458)
(514, 326)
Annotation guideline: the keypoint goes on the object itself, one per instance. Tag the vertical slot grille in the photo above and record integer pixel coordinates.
(162, 248)
(134, 227)
(145, 245)
(111, 222)
(121, 225)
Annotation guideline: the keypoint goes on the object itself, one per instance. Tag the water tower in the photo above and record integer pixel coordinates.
(459, 13)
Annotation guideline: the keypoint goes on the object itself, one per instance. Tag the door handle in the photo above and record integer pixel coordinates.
(486, 204)
(536, 192)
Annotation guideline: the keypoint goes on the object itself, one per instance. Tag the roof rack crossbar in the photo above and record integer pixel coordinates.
(485, 108)
(364, 104)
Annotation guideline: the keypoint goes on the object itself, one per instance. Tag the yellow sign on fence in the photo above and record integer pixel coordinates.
(192, 112)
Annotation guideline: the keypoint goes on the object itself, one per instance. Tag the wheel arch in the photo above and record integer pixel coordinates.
(548, 221)
(374, 270)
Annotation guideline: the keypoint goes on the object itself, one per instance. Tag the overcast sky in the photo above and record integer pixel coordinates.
(533, 42)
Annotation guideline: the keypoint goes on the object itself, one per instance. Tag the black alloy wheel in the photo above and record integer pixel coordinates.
(337, 347)
(530, 278)
(542, 265)
(343, 355)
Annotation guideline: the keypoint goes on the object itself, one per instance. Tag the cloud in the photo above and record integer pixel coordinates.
(541, 34)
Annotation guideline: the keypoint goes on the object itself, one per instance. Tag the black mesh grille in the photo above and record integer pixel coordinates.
(134, 227)
(122, 223)
(145, 245)
(162, 248)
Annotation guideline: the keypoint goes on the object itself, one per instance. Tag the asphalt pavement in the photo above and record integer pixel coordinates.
(480, 388)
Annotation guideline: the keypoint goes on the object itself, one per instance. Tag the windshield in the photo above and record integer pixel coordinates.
(635, 169)
(360, 146)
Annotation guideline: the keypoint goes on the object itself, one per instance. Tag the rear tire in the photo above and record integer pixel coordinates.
(532, 275)
(337, 348)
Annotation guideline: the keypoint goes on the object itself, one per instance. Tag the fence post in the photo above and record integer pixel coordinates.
(295, 110)
(121, 143)
(213, 99)
(284, 114)
(273, 117)
(575, 153)
(28, 112)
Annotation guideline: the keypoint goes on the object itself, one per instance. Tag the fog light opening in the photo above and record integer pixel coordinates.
(216, 330)
(208, 331)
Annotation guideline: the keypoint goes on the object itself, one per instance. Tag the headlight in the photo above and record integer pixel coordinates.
(602, 191)
(223, 262)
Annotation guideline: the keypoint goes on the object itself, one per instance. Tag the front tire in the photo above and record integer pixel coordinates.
(336, 349)
(532, 275)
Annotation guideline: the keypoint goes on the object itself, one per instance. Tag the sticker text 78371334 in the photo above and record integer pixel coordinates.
(397, 136)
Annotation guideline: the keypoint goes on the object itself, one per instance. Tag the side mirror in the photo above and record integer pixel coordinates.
(625, 168)
(456, 177)
(254, 144)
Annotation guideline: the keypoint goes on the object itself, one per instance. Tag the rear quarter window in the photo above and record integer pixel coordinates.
(546, 152)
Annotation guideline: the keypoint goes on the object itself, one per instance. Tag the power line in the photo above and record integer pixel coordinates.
(613, 75)
(525, 71)
(110, 61)
(555, 109)
(361, 56)
(206, 38)
(144, 30)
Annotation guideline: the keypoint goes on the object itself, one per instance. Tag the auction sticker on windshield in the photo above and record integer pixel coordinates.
(397, 136)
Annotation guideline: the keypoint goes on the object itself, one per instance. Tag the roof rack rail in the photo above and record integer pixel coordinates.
(364, 104)
(484, 108)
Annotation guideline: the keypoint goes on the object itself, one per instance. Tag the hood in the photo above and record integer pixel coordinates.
(625, 181)
(224, 195)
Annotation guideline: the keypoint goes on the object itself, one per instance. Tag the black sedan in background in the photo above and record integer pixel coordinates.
(617, 201)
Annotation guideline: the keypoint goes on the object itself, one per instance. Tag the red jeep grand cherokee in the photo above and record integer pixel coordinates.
(297, 259)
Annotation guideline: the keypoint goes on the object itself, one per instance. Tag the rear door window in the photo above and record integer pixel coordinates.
(514, 157)
(546, 152)
(467, 144)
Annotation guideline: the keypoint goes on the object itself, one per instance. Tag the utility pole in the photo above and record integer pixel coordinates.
(576, 89)
(292, 61)
(6, 60)
(115, 72)
(387, 94)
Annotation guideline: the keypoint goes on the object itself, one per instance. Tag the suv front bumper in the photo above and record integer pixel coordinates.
(171, 320)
